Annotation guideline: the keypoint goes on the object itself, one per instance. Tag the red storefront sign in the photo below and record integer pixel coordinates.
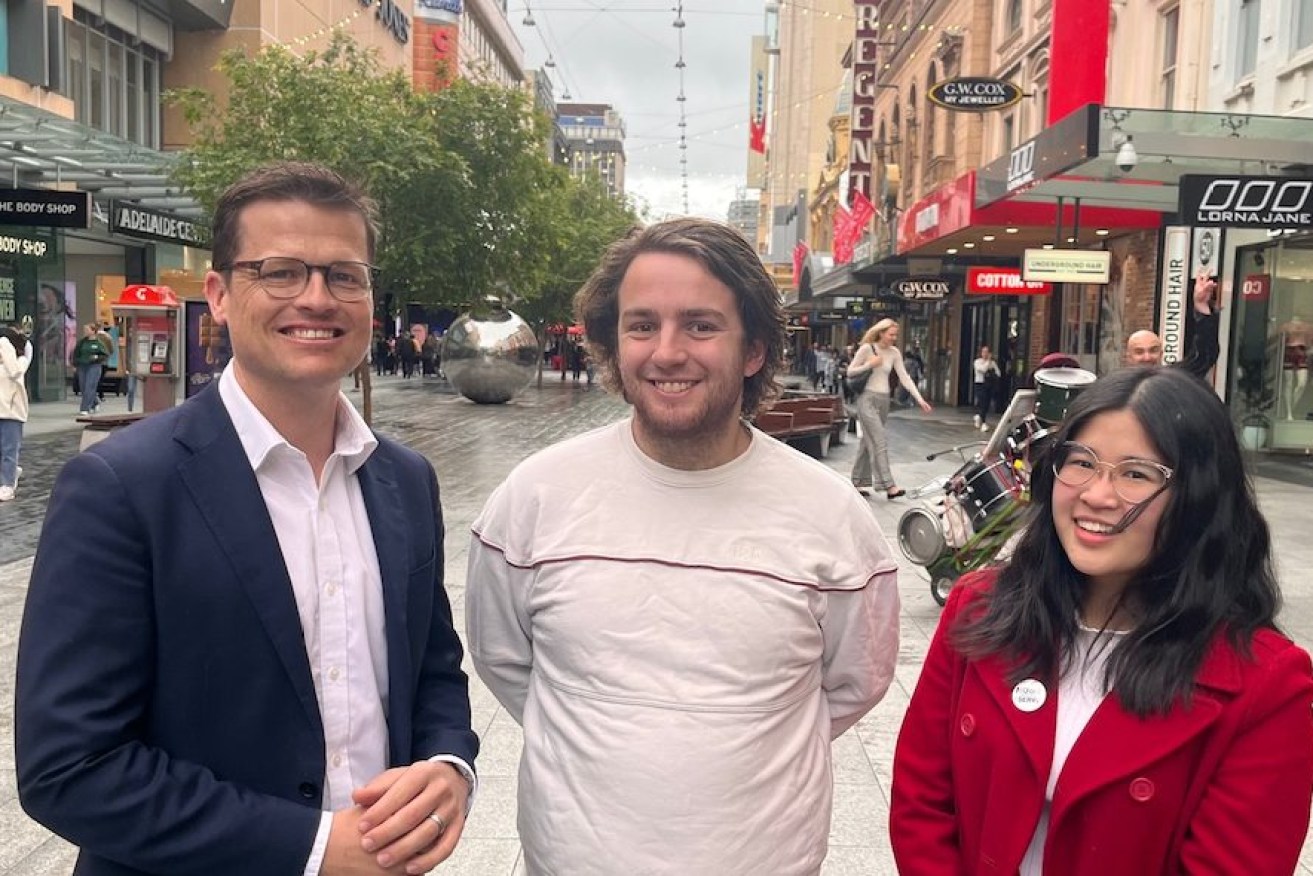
(1002, 281)
(1256, 287)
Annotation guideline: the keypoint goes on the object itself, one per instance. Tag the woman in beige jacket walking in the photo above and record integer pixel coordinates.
(879, 355)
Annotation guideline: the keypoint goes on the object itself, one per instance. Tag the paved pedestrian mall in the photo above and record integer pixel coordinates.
(473, 447)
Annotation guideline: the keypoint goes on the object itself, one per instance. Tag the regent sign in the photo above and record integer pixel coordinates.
(865, 70)
(1247, 201)
(974, 94)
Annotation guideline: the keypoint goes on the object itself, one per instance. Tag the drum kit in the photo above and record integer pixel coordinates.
(978, 510)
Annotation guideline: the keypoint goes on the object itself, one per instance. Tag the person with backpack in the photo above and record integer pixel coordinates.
(90, 356)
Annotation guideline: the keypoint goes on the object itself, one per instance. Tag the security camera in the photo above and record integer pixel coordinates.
(1126, 156)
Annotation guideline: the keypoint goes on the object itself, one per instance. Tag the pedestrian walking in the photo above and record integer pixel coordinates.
(878, 355)
(987, 379)
(89, 356)
(15, 358)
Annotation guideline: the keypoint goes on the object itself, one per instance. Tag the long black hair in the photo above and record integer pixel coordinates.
(1210, 571)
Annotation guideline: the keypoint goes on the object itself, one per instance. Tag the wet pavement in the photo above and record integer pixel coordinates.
(473, 447)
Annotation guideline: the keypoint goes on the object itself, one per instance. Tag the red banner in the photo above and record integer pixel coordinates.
(799, 256)
(757, 135)
(843, 237)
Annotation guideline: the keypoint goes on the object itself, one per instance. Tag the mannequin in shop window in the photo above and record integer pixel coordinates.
(1296, 336)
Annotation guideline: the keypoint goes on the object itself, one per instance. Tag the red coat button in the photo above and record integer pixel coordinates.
(968, 724)
(1142, 790)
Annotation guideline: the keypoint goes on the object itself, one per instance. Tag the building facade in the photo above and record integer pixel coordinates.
(594, 137)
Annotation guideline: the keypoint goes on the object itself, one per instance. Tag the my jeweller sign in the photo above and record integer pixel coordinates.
(974, 94)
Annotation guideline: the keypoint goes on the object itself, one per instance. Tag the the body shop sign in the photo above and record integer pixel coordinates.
(1003, 281)
(862, 141)
(974, 94)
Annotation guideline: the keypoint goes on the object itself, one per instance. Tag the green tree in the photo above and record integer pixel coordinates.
(460, 175)
(586, 220)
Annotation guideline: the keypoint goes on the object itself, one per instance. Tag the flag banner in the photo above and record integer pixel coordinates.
(757, 135)
(799, 256)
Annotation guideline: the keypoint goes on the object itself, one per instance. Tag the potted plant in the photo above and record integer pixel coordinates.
(1257, 390)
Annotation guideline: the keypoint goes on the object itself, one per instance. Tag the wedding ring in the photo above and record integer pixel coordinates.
(437, 819)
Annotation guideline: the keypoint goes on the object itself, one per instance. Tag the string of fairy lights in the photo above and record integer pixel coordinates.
(681, 100)
(556, 65)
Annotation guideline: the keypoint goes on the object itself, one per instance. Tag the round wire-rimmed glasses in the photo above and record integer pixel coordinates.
(1136, 481)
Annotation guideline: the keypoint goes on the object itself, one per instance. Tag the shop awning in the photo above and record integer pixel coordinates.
(39, 149)
(1076, 158)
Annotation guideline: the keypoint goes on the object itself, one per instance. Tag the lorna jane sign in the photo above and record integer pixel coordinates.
(1003, 281)
(974, 94)
(1247, 201)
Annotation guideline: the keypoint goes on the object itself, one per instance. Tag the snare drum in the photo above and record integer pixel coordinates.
(986, 488)
(1055, 388)
(1027, 437)
(921, 536)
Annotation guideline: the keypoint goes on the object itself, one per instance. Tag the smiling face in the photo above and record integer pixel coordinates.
(1083, 516)
(683, 355)
(299, 347)
(1144, 348)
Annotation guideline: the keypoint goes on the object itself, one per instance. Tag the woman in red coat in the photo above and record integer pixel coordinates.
(1116, 701)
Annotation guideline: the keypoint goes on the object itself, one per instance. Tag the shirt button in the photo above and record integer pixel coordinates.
(331, 589)
(968, 724)
(337, 760)
(1142, 790)
(334, 674)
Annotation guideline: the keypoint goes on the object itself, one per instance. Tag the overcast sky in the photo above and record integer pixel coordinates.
(623, 52)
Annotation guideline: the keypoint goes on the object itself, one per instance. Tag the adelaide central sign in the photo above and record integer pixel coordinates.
(974, 94)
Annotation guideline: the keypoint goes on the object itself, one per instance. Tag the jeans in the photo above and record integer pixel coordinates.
(132, 391)
(872, 411)
(11, 438)
(89, 380)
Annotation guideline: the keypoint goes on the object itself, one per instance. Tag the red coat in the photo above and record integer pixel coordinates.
(1223, 787)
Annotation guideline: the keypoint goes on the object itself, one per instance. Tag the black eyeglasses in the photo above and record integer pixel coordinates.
(1136, 481)
(284, 277)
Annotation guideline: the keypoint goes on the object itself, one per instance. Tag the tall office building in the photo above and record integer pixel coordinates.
(594, 136)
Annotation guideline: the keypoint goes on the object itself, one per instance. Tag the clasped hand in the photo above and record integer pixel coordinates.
(389, 829)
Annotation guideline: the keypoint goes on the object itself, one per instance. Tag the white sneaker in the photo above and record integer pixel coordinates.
(84, 413)
(984, 427)
(975, 418)
(6, 493)
(18, 474)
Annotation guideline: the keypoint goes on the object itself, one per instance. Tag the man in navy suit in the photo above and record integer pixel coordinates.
(237, 655)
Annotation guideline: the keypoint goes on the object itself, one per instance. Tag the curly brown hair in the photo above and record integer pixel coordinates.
(728, 257)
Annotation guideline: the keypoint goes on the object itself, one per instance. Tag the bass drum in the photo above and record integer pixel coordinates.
(1056, 388)
(921, 536)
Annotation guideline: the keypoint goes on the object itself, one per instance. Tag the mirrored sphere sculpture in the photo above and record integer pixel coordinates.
(491, 356)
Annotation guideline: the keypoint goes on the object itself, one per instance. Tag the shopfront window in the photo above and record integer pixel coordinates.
(1274, 350)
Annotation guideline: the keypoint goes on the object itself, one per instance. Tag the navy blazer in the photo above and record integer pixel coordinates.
(166, 719)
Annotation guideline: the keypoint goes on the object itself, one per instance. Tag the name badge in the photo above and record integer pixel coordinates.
(1029, 695)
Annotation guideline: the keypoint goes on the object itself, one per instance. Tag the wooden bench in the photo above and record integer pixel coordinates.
(97, 427)
(808, 421)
